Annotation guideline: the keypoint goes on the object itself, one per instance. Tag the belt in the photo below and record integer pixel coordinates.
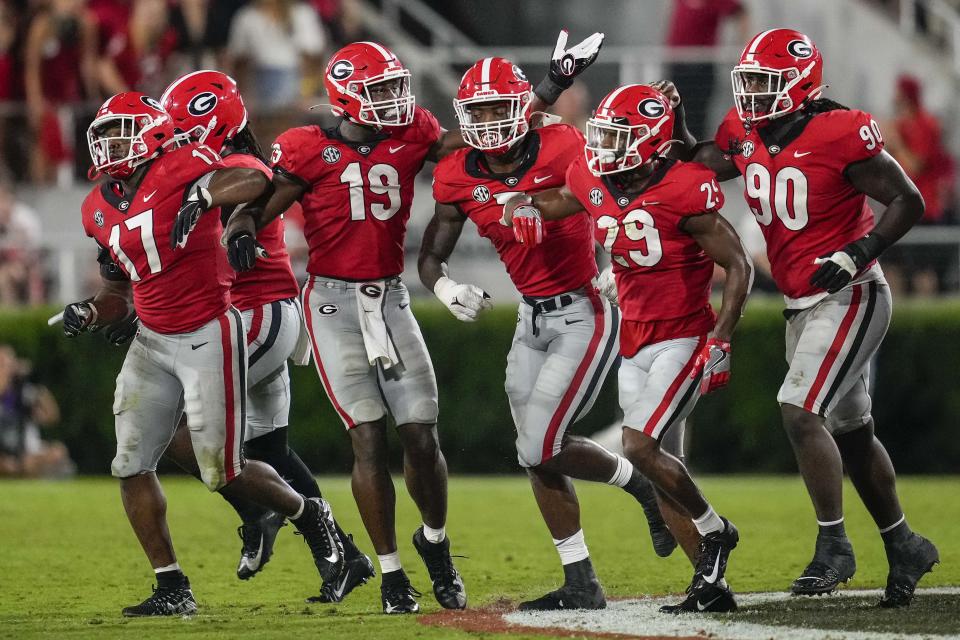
(548, 305)
(338, 283)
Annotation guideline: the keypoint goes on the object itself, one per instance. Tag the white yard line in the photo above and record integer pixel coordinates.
(641, 617)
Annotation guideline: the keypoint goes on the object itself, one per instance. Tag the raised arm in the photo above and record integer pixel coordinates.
(220, 188)
(884, 180)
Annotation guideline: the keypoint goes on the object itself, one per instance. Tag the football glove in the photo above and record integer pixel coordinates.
(714, 362)
(567, 64)
(243, 251)
(120, 333)
(837, 269)
(527, 225)
(79, 317)
(607, 285)
(197, 203)
(465, 301)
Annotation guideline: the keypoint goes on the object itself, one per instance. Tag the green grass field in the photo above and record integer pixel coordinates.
(70, 561)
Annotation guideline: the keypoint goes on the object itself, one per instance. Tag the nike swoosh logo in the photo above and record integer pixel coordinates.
(389, 608)
(404, 306)
(703, 607)
(395, 149)
(540, 179)
(145, 198)
(797, 154)
(712, 578)
(197, 346)
(644, 203)
(334, 556)
(569, 322)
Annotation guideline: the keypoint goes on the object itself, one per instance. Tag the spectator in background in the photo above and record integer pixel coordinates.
(696, 23)
(21, 272)
(24, 408)
(59, 70)
(10, 76)
(276, 46)
(136, 53)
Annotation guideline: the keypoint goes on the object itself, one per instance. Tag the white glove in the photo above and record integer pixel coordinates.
(566, 64)
(607, 285)
(465, 301)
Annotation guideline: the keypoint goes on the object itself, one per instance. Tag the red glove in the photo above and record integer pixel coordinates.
(714, 362)
(527, 225)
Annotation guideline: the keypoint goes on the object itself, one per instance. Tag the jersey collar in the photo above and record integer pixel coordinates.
(364, 148)
(626, 197)
(780, 133)
(476, 165)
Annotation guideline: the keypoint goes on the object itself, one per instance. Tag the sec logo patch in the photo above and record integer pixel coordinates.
(331, 155)
(98, 217)
(481, 194)
(596, 197)
(747, 149)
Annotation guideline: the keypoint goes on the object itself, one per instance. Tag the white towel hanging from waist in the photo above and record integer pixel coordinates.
(376, 338)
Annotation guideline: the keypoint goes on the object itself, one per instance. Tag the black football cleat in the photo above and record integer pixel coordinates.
(663, 541)
(357, 570)
(707, 598)
(257, 538)
(165, 601)
(909, 561)
(397, 595)
(580, 590)
(319, 531)
(447, 583)
(833, 562)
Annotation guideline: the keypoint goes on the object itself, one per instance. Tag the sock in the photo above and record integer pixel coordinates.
(272, 448)
(303, 508)
(572, 549)
(435, 536)
(623, 474)
(170, 576)
(834, 528)
(897, 532)
(389, 562)
(248, 511)
(709, 522)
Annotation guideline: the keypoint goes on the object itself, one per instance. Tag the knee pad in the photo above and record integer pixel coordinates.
(127, 464)
(367, 410)
(212, 471)
(529, 451)
(423, 411)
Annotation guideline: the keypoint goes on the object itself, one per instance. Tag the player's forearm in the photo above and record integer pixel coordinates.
(686, 147)
(555, 204)
(234, 186)
(112, 302)
(899, 217)
(431, 268)
(736, 288)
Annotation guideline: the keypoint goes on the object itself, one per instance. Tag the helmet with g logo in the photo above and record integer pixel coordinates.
(632, 125)
(129, 129)
(207, 106)
(367, 84)
(494, 81)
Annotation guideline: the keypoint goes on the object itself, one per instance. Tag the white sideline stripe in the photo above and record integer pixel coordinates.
(641, 618)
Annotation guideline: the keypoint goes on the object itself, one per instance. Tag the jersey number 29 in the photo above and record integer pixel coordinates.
(637, 226)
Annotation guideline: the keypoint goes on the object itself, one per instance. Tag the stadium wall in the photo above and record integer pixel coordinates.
(916, 395)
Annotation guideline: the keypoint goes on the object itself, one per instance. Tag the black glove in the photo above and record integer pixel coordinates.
(567, 64)
(243, 251)
(837, 269)
(122, 332)
(78, 317)
(197, 203)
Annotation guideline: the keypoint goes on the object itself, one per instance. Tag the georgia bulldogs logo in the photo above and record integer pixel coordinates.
(651, 107)
(327, 309)
(596, 197)
(371, 290)
(799, 49)
(150, 102)
(202, 103)
(517, 71)
(331, 155)
(481, 194)
(275, 153)
(341, 70)
(568, 64)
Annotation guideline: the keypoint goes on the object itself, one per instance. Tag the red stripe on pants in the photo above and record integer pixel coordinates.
(672, 390)
(835, 348)
(599, 319)
(255, 323)
(308, 317)
(226, 344)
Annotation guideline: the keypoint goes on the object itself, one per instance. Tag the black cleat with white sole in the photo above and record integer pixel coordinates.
(708, 598)
(319, 531)
(357, 570)
(447, 583)
(165, 601)
(397, 595)
(833, 562)
(258, 539)
(580, 590)
(909, 561)
(711, 566)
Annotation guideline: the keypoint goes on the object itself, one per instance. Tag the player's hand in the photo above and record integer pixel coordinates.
(566, 64)
(607, 285)
(78, 317)
(714, 361)
(669, 90)
(527, 225)
(197, 203)
(838, 269)
(465, 301)
(243, 251)
(120, 333)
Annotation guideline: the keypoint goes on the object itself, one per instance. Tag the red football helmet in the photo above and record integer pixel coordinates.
(367, 84)
(496, 82)
(129, 129)
(632, 125)
(207, 106)
(779, 71)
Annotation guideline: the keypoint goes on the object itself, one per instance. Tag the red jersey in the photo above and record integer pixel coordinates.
(663, 276)
(565, 261)
(173, 291)
(272, 279)
(358, 194)
(800, 195)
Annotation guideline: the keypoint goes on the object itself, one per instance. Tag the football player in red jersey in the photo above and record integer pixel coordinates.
(207, 105)
(355, 182)
(808, 166)
(564, 344)
(189, 355)
(659, 219)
